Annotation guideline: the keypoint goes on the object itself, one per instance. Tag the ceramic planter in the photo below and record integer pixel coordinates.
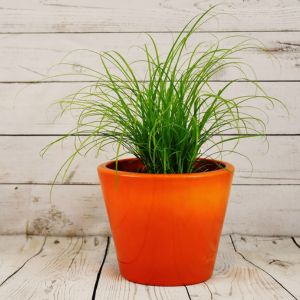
(166, 227)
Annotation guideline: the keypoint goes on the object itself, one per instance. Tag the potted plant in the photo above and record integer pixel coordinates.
(166, 204)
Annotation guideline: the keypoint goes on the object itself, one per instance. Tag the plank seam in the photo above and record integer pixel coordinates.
(30, 258)
(145, 32)
(81, 135)
(100, 270)
(188, 293)
(210, 292)
(258, 267)
(94, 81)
(295, 242)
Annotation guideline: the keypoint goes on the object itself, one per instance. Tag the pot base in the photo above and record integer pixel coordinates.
(159, 280)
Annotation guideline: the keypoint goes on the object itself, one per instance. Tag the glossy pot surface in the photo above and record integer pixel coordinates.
(166, 227)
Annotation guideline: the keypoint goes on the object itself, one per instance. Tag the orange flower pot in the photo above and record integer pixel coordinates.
(166, 227)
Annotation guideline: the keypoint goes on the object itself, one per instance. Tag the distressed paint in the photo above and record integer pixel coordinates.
(135, 15)
(79, 210)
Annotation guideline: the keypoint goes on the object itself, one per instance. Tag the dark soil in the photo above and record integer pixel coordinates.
(136, 166)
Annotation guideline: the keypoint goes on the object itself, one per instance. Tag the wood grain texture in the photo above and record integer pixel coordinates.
(28, 109)
(51, 28)
(66, 268)
(278, 256)
(21, 163)
(77, 268)
(113, 286)
(72, 210)
(27, 57)
(134, 15)
(16, 252)
(269, 210)
(79, 210)
(236, 278)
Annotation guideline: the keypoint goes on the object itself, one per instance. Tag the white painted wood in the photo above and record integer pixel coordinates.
(21, 163)
(66, 268)
(79, 210)
(278, 256)
(31, 111)
(265, 210)
(14, 207)
(72, 210)
(113, 286)
(15, 252)
(134, 15)
(236, 278)
(25, 57)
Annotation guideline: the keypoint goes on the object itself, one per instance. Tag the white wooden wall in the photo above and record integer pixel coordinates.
(35, 34)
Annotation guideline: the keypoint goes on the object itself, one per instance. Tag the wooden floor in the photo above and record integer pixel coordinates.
(36, 267)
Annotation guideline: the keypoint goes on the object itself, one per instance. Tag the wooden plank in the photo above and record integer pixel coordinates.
(265, 210)
(134, 15)
(25, 57)
(66, 268)
(236, 278)
(31, 112)
(72, 210)
(278, 257)
(79, 210)
(16, 252)
(21, 162)
(69, 268)
(296, 241)
(113, 286)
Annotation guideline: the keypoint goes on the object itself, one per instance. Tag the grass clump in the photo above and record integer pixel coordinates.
(174, 115)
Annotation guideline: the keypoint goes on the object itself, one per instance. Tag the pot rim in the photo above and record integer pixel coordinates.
(104, 169)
